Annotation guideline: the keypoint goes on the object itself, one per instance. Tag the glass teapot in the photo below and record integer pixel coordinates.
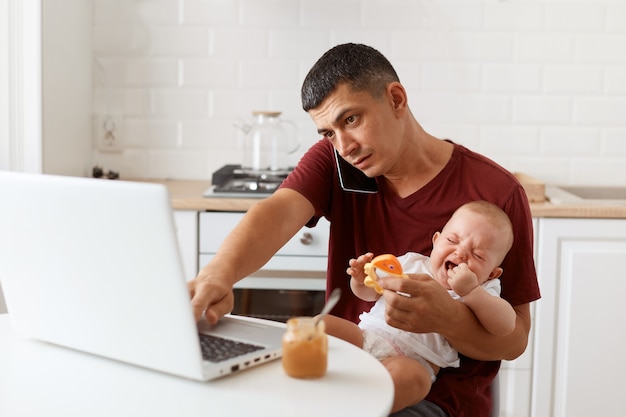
(268, 142)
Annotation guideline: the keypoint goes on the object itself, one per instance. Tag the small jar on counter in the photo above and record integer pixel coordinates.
(305, 348)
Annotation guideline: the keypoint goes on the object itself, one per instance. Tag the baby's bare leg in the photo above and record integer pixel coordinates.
(343, 329)
(411, 381)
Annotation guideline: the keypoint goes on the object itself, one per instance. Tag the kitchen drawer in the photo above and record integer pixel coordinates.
(284, 273)
(285, 263)
(214, 226)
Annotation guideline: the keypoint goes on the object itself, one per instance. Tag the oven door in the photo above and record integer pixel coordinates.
(278, 295)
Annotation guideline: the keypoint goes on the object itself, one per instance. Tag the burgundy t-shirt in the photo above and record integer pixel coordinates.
(385, 223)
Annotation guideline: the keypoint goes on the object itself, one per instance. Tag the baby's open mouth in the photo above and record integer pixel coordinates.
(450, 265)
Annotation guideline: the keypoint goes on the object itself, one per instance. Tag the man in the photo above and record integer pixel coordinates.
(360, 108)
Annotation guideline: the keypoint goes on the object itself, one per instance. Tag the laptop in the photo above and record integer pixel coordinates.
(93, 265)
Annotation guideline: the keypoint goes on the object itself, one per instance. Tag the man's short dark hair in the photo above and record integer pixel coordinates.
(362, 67)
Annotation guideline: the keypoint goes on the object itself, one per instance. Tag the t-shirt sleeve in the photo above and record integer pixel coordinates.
(313, 177)
(519, 263)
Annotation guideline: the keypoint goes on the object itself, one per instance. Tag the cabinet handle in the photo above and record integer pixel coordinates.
(306, 238)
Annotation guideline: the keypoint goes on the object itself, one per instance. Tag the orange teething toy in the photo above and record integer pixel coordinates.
(387, 263)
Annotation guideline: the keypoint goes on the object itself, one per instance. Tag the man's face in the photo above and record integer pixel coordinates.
(360, 127)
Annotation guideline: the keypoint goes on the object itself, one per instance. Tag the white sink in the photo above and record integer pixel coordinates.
(582, 194)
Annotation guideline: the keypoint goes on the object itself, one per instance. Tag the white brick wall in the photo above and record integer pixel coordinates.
(537, 85)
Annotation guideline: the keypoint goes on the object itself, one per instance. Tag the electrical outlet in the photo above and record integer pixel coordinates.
(110, 133)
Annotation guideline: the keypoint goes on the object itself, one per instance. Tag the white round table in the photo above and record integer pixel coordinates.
(39, 379)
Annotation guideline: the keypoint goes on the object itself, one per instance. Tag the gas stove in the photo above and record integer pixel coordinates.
(232, 181)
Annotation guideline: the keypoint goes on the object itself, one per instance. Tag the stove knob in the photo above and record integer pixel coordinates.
(306, 238)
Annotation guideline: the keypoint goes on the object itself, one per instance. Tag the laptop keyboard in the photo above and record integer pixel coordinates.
(217, 349)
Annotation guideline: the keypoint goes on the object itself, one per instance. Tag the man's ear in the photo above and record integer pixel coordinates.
(496, 273)
(398, 95)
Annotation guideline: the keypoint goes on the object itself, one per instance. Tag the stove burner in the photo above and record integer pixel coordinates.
(235, 181)
(262, 173)
(248, 185)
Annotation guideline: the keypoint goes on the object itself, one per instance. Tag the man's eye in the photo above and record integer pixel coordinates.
(329, 135)
(350, 120)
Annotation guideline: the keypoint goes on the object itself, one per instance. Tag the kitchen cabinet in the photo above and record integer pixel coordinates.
(299, 265)
(579, 336)
(186, 222)
(557, 376)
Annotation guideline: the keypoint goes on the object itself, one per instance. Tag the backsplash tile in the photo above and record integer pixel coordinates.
(570, 141)
(567, 79)
(573, 16)
(538, 86)
(544, 48)
(614, 141)
(208, 13)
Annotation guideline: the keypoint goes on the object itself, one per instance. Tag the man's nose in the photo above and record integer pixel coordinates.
(344, 144)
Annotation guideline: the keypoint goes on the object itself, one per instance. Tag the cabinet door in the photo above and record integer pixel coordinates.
(580, 338)
(187, 234)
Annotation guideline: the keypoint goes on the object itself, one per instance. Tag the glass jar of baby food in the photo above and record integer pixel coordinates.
(305, 348)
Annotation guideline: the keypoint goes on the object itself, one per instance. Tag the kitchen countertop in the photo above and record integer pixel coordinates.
(187, 195)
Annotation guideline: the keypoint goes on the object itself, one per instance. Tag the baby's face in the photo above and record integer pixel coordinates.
(467, 238)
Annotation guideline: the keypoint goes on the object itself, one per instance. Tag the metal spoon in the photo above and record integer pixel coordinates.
(330, 303)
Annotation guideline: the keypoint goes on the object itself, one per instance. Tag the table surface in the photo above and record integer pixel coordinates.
(38, 379)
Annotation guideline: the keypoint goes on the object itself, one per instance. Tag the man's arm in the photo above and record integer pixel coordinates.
(431, 309)
(265, 228)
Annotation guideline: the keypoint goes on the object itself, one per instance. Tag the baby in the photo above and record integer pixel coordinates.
(465, 260)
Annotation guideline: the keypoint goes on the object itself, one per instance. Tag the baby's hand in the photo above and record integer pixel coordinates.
(462, 280)
(388, 264)
(356, 267)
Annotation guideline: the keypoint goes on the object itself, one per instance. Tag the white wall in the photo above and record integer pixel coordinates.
(20, 85)
(67, 86)
(4, 85)
(537, 85)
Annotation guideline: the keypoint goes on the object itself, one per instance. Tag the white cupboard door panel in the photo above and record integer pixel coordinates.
(579, 322)
(187, 235)
(590, 336)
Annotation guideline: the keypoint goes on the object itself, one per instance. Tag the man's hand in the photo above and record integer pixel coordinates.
(426, 306)
(431, 309)
(210, 297)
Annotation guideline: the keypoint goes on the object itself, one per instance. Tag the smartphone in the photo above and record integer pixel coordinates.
(353, 179)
